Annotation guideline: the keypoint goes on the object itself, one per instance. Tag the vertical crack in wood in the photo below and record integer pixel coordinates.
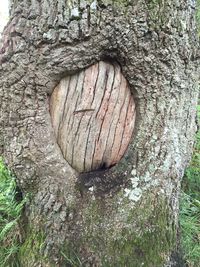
(116, 131)
(99, 96)
(93, 116)
(115, 117)
(101, 116)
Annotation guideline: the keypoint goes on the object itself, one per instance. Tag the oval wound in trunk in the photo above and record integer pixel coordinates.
(93, 116)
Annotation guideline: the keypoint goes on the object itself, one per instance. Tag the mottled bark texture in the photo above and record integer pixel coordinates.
(126, 215)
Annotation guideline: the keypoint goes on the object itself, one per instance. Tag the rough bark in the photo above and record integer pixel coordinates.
(126, 215)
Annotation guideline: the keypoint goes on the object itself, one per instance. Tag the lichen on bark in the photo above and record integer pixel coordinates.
(44, 42)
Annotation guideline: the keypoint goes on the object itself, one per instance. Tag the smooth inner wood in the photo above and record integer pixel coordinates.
(93, 116)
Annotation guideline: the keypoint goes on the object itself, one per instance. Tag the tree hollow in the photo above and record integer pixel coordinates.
(93, 116)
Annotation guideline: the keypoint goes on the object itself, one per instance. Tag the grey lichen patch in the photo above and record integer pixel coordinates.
(134, 193)
(114, 2)
(78, 10)
(138, 185)
(75, 14)
(50, 36)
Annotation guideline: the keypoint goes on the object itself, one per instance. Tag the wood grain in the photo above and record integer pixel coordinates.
(93, 116)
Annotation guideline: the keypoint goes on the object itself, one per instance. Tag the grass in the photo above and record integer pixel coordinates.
(10, 213)
(190, 209)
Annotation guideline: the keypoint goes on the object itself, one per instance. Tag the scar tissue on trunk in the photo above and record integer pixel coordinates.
(93, 116)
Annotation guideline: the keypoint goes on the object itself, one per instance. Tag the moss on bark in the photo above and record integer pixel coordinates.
(32, 251)
(107, 243)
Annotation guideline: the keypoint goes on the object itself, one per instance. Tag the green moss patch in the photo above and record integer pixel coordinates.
(144, 236)
(31, 251)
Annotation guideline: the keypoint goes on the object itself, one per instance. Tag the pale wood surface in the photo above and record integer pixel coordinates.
(93, 116)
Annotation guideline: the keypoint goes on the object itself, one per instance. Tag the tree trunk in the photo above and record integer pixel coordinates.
(104, 215)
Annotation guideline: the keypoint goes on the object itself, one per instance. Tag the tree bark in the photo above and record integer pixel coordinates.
(121, 216)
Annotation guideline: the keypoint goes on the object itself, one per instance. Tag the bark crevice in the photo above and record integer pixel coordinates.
(156, 47)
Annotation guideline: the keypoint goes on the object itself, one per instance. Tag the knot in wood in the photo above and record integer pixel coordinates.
(93, 116)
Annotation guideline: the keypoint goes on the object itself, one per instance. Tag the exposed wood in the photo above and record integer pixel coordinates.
(126, 215)
(93, 115)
